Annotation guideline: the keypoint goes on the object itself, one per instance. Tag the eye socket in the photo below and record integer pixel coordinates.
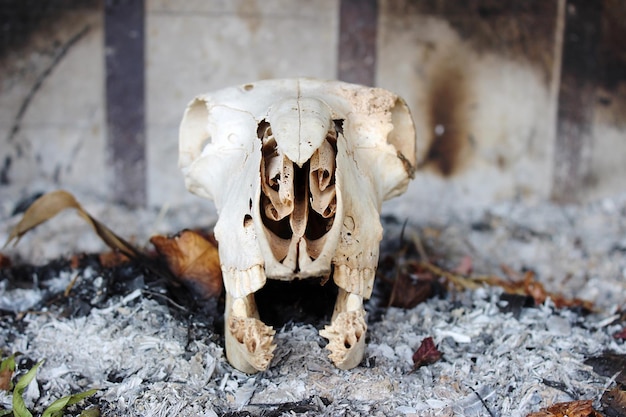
(194, 133)
(402, 136)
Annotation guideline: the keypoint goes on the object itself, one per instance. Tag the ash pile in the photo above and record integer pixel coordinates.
(525, 307)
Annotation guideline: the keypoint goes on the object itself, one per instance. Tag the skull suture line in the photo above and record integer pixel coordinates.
(298, 170)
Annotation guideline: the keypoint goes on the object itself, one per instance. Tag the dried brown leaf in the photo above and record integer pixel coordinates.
(5, 379)
(49, 205)
(7, 368)
(193, 259)
(614, 402)
(5, 261)
(426, 354)
(75, 261)
(408, 292)
(609, 364)
(112, 259)
(581, 408)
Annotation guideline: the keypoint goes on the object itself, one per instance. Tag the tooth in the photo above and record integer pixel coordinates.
(249, 341)
(240, 283)
(356, 281)
(354, 303)
(346, 339)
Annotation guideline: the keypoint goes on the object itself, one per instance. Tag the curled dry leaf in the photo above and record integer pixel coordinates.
(426, 354)
(192, 259)
(51, 204)
(621, 334)
(581, 408)
(408, 292)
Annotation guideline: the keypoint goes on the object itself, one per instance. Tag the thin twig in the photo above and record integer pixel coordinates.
(69, 287)
(457, 280)
(482, 401)
(166, 298)
(62, 51)
(398, 264)
(417, 241)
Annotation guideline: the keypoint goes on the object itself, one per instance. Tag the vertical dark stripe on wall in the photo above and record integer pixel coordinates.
(576, 100)
(125, 105)
(358, 21)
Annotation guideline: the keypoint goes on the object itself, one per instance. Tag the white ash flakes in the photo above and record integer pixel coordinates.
(137, 355)
(140, 358)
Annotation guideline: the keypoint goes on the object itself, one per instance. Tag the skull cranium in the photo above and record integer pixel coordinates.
(298, 170)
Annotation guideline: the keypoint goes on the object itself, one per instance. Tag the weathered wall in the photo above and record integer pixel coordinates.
(484, 79)
(479, 78)
(202, 46)
(52, 130)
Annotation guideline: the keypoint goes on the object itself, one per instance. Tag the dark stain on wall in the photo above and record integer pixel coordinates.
(447, 115)
(20, 19)
(613, 43)
(611, 94)
(520, 30)
(576, 101)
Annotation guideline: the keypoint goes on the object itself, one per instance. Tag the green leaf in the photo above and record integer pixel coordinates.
(19, 407)
(5, 412)
(90, 412)
(8, 363)
(56, 408)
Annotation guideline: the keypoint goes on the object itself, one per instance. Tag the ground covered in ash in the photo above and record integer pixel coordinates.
(153, 348)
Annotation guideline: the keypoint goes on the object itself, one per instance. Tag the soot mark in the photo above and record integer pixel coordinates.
(447, 118)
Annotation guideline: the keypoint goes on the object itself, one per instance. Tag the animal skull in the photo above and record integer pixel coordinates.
(298, 170)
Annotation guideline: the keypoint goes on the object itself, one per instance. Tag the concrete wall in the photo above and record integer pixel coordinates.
(483, 81)
(485, 120)
(52, 129)
(202, 46)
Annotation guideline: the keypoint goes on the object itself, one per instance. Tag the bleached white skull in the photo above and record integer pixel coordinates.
(298, 170)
